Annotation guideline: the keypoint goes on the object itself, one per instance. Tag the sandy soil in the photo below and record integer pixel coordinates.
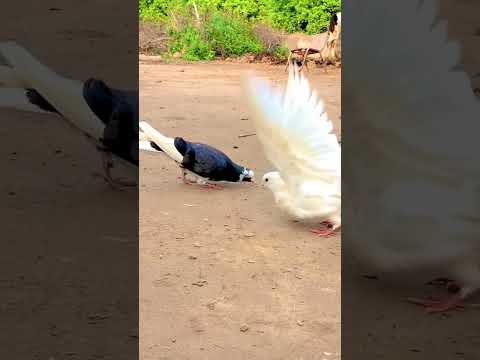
(68, 276)
(224, 274)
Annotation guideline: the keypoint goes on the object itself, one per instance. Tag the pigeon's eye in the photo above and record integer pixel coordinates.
(266, 180)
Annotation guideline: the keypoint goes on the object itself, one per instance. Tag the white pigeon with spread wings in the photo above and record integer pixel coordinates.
(413, 122)
(297, 138)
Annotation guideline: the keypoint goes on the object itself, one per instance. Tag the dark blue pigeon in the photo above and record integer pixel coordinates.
(206, 164)
(106, 115)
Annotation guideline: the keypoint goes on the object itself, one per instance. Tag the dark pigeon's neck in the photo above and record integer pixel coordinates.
(240, 170)
(99, 98)
(181, 145)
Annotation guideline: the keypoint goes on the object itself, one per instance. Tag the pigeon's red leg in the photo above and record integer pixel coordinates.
(188, 182)
(451, 285)
(116, 183)
(324, 231)
(452, 302)
(185, 180)
(213, 186)
(107, 162)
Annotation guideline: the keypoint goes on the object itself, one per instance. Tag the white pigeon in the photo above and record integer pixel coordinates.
(413, 181)
(107, 116)
(298, 140)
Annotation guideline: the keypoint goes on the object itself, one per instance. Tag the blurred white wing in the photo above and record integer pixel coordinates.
(296, 134)
(413, 114)
(409, 76)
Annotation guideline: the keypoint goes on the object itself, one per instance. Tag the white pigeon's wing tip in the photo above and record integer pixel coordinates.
(295, 131)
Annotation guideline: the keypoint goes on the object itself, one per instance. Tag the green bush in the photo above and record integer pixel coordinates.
(202, 29)
(190, 43)
(310, 16)
(281, 52)
(230, 37)
(153, 9)
(247, 9)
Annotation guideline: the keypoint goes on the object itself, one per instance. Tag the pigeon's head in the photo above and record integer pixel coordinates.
(272, 180)
(247, 175)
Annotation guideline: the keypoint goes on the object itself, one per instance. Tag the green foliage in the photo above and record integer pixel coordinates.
(310, 16)
(230, 36)
(191, 44)
(201, 29)
(281, 52)
(247, 9)
(153, 9)
(220, 34)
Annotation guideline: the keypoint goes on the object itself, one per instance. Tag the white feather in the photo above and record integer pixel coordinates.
(145, 146)
(63, 94)
(142, 136)
(165, 143)
(297, 137)
(416, 119)
(8, 78)
(17, 99)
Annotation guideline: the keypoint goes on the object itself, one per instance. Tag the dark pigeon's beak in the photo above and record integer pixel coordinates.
(249, 176)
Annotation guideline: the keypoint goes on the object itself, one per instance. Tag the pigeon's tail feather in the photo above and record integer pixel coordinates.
(165, 143)
(25, 100)
(8, 78)
(63, 94)
(149, 146)
(142, 136)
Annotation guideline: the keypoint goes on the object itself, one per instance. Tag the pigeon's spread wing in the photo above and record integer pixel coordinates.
(295, 132)
(411, 77)
(414, 120)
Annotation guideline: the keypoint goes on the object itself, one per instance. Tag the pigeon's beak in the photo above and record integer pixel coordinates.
(249, 176)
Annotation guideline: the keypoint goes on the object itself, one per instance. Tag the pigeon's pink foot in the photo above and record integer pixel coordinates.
(451, 285)
(213, 186)
(453, 302)
(187, 182)
(325, 231)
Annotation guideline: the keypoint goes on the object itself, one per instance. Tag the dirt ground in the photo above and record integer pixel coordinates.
(224, 274)
(69, 262)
